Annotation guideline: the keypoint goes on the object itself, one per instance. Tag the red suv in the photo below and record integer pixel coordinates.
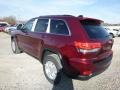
(79, 46)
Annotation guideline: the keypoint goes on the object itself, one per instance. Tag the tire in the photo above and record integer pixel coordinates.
(15, 47)
(52, 72)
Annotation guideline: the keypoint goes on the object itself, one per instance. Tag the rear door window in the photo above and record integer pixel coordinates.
(58, 27)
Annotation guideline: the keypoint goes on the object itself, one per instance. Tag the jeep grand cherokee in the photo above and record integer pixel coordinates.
(78, 46)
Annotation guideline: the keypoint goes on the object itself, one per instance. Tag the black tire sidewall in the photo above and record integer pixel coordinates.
(59, 71)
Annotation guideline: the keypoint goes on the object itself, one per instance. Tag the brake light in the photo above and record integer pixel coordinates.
(87, 47)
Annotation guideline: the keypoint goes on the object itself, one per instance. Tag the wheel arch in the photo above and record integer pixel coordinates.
(49, 51)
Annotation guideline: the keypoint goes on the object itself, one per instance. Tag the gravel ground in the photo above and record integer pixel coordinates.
(23, 72)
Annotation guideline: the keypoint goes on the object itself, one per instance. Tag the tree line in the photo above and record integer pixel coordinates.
(9, 19)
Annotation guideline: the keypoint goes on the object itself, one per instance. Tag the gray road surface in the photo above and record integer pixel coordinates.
(23, 72)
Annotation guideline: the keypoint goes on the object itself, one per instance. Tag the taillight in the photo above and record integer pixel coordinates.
(87, 47)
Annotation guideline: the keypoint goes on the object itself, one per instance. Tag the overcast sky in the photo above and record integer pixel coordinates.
(107, 10)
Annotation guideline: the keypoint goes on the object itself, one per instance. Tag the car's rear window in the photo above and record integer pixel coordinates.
(95, 30)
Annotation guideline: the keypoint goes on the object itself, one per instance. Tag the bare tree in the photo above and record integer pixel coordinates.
(10, 19)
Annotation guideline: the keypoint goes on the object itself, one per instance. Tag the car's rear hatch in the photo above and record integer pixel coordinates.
(98, 38)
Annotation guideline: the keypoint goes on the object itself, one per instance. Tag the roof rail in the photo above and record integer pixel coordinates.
(57, 15)
(68, 15)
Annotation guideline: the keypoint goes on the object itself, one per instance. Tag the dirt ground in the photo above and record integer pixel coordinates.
(23, 72)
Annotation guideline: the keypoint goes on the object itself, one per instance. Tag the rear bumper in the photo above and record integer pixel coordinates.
(89, 68)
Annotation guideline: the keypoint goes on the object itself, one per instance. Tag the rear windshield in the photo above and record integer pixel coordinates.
(95, 30)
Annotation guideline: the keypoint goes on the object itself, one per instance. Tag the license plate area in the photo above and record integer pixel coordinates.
(107, 47)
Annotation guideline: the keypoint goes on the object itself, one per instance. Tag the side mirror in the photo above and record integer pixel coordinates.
(19, 27)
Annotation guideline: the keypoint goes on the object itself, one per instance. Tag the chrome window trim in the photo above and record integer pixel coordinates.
(34, 25)
(48, 27)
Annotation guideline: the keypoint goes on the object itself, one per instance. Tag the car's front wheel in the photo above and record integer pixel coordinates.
(15, 47)
(52, 68)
